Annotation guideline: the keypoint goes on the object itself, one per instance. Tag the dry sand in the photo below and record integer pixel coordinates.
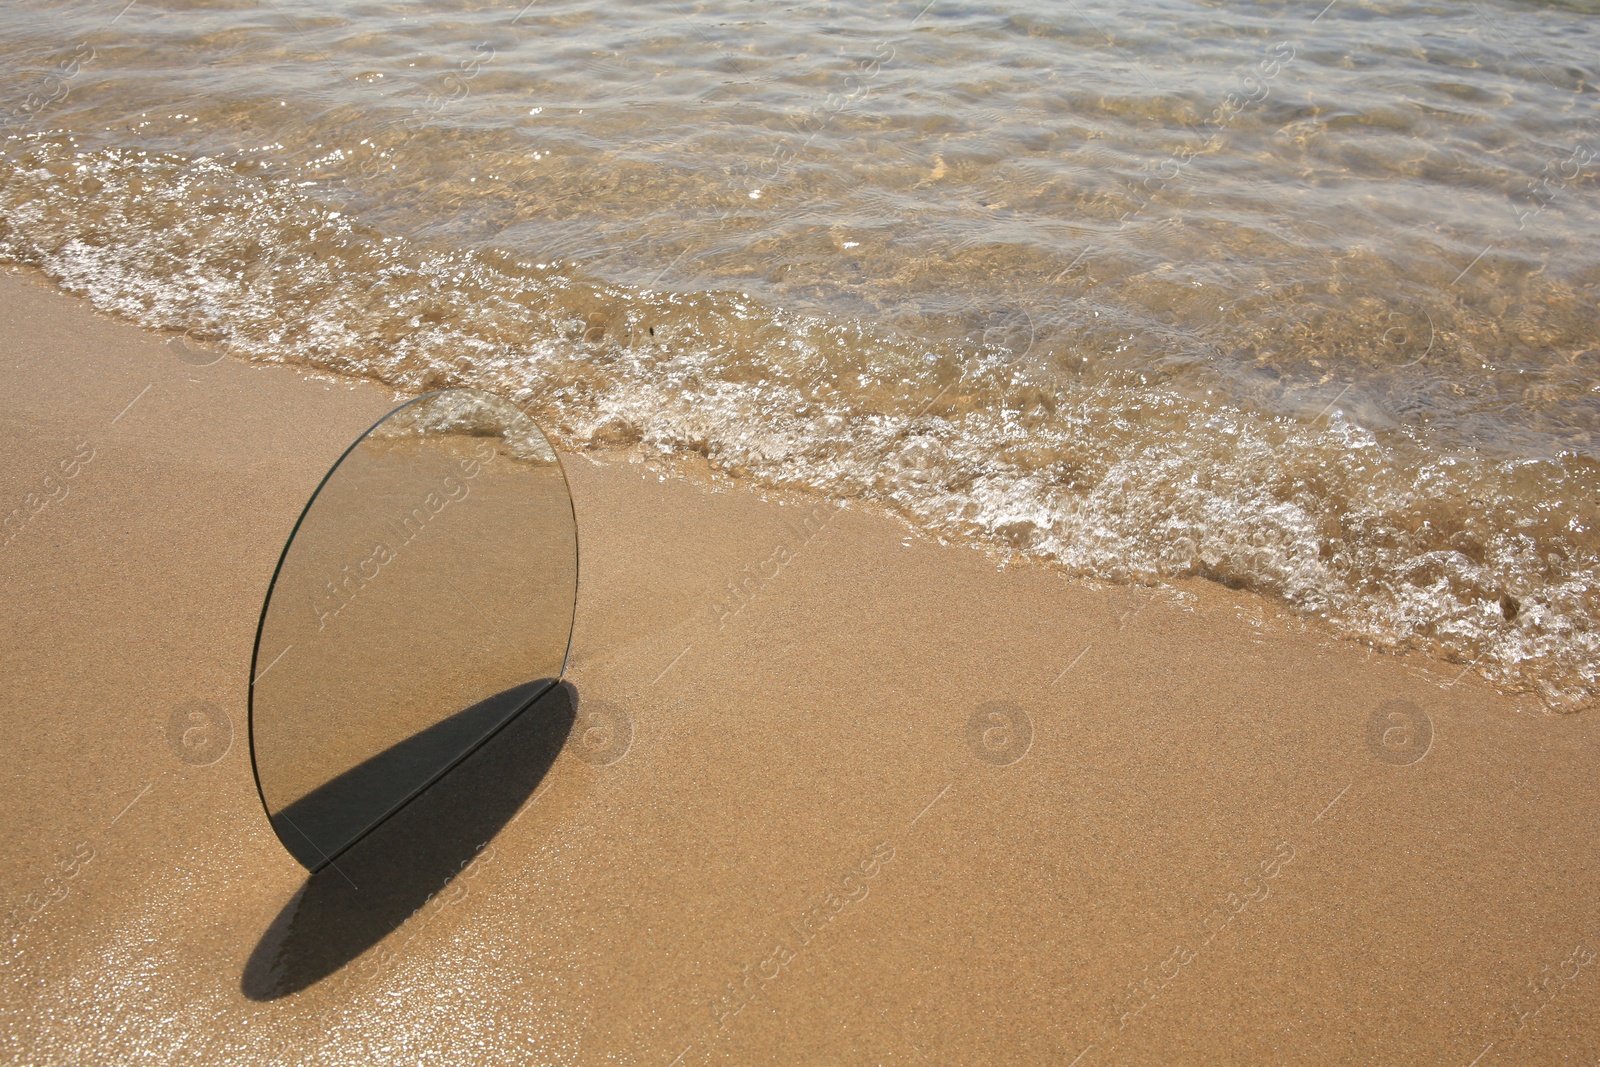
(784, 834)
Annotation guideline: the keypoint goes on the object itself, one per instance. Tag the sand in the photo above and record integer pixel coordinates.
(817, 790)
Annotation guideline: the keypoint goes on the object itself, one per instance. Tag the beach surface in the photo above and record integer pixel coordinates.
(819, 789)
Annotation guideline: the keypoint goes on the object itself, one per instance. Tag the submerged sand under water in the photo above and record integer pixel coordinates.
(1301, 303)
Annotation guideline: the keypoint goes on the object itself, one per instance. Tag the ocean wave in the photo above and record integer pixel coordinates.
(1481, 558)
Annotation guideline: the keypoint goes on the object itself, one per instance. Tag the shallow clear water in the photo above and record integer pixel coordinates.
(1299, 298)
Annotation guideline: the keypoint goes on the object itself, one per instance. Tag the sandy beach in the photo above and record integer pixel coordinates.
(818, 788)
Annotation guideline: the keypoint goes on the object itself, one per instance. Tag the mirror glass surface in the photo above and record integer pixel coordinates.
(424, 598)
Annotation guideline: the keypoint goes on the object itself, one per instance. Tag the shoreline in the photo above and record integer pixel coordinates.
(701, 472)
(1127, 825)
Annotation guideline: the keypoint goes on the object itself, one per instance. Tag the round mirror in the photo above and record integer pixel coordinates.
(424, 598)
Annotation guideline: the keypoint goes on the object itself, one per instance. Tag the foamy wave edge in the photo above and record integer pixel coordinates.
(1106, 479)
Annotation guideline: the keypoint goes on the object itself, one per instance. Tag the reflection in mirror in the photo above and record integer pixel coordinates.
(424, 598)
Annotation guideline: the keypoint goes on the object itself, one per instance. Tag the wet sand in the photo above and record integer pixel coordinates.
(819, 789)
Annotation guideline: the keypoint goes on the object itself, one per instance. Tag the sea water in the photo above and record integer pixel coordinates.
(1299, 297)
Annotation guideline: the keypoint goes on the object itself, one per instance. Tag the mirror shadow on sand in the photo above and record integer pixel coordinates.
(370, 890)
